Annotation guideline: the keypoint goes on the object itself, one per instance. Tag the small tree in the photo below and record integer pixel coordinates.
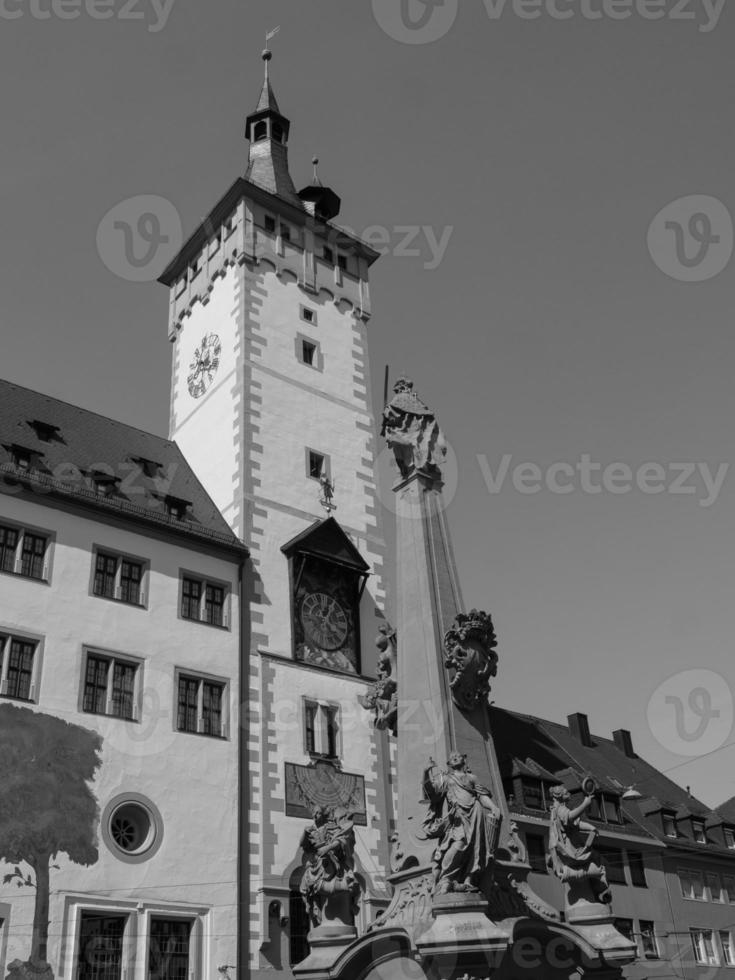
(46, 805)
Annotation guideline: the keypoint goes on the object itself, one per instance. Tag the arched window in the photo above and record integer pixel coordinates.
(260, 131)
(298, 920)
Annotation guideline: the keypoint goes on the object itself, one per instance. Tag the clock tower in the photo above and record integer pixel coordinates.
(269, 307)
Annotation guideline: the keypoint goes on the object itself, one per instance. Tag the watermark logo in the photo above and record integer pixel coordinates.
(416, 21)
(155, 12)
(586, 475)
(691, 713)
(139, 236)
(691, 239)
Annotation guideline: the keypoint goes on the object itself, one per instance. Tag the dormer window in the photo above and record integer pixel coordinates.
(177, 508)
(533, 793)
(103, 483)
(22, 458)
(698, 831)
(730, 839)
(669, 824)
(149, 467)
(45, 432)
(260, 131)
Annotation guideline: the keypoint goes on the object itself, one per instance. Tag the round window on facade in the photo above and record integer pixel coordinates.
(132, 827)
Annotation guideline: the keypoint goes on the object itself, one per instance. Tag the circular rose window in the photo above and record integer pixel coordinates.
(132, 827)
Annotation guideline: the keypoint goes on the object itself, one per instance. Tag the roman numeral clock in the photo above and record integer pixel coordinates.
(328, 577)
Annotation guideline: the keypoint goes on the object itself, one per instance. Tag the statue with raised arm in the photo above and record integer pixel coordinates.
(412, 432)
(571, 856)
(464, 821)
(329, 845)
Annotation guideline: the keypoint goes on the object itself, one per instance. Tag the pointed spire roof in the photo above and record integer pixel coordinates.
(267, 101)
(267, 129)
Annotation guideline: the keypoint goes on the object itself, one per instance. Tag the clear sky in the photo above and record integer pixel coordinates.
(538, 151)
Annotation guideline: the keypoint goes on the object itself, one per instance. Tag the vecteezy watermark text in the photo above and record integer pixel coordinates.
(588, 476)
(426, 21)
(155, 12)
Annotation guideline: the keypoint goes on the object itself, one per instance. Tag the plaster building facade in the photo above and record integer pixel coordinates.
(119, 700)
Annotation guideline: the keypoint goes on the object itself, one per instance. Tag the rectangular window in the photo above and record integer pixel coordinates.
(669, 824)
(200, 706)
(16, 667)
(611, 808)
(23, 552)
(110, 687)
(692, 885)
(328, 255)
(533, 794)
(310, 716)
(316, 465)
(728, 955)
(536, 847)
(308, 315)
(698, 830)
(342, 262)
(285, 232)
(730, 839)
(703, 947)
(269, 224)
(308, 352)
(648, 940)
(100, 953)
(331, 722)
(714, 886)
(116, 577)
(728, 885)
(321, 729)
(637, 869)
(613, 860)
(203, 601)
(8, 548)
(169, 950)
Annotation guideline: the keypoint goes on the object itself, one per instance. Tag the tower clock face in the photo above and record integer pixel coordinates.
(325, 621)
(203, 367)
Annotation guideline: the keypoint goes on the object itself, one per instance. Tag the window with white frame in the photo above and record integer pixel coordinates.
(730, 839)
(317, 464)
(24, 552)
(728, 953)
(203, 601)
(692, 885)
(101, 953)
(649, 944)
(170, 949)
(119, 577)
(308, 315)
(704, 947)
(714, 886)
(669, 824)
(321, 729)
(111, 685)
(698, 830)
(201, 705)
(18, 667)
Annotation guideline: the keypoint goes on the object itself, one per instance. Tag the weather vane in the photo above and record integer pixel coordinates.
(327, 497)
(270, 35)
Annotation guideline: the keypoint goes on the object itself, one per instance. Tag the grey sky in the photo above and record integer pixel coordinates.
(543, 149)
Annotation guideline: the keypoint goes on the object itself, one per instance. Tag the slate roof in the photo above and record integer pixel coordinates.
(72, 449)
(551, 747)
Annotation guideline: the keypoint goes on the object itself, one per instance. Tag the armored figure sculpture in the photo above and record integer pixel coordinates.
(471, 658)
(464, 821)
(571, 856)
(412, 432)
(328, 845)
(382, 697)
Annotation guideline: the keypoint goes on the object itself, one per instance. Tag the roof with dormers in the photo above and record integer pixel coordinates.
(533, 747)
(79, 458)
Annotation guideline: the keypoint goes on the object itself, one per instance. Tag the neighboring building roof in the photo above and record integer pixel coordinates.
(726, 811)
(551, 747)
(90, 460)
